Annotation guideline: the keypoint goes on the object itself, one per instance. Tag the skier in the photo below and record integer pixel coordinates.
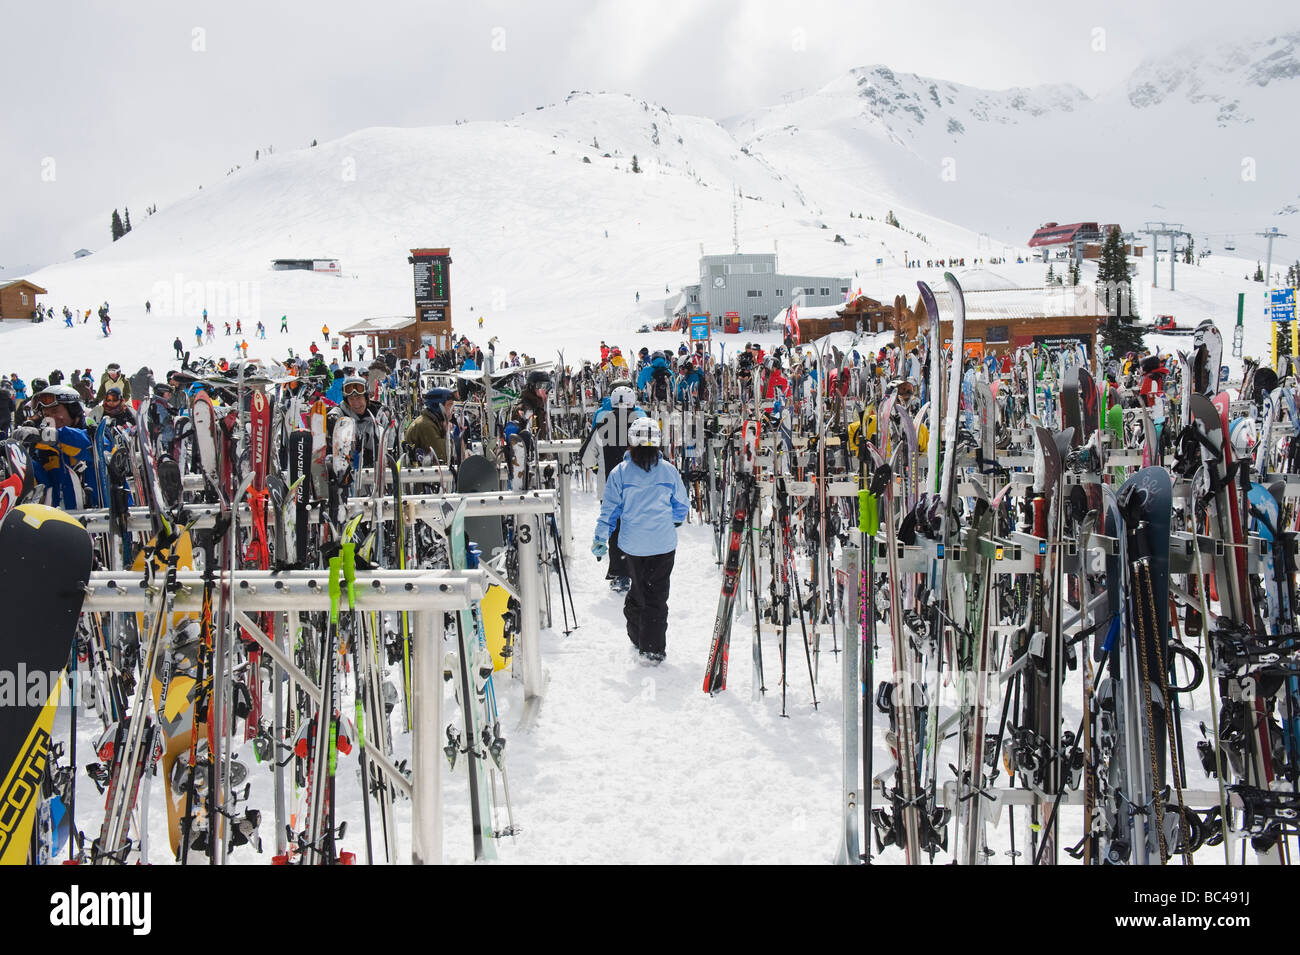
(113, 376)
(61, 448)
(427, 435)
(198, 336)
(646, 499)
(610, 425)
(653, 379)
(692, 384)
(357, 405)
(7, 406)
(114, 408)
(284, 324)
(530, 413)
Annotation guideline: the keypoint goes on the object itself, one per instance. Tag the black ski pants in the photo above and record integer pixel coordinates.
(646, 605)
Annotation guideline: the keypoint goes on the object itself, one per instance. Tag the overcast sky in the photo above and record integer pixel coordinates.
(141, 101)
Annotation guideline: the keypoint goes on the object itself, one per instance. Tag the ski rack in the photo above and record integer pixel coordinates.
(427, 594)
(1019, 796)
(563, 449)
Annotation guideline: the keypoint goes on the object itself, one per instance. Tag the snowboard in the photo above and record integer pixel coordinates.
(45, 561)
(478, 475)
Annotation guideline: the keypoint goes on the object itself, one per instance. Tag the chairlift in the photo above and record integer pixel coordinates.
(1229, 245)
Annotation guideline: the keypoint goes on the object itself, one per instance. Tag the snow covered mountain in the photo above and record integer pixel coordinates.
(1200, 136)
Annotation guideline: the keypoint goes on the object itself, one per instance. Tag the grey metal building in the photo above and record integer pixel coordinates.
(750, 285)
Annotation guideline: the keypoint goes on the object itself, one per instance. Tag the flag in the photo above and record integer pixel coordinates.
(792, 324)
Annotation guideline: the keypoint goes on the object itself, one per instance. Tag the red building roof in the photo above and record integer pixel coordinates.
(1052, 233)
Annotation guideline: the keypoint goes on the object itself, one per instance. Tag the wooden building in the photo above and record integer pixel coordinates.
(1002, 320)
(18, 299)
(858, 313)
(399, 334)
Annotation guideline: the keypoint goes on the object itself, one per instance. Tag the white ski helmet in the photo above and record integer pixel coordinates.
(622, 397)
(644, 432)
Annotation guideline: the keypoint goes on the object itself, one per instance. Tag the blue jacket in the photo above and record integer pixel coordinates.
(648, 372)
(54, 469)
(689, 383)
(649, 504)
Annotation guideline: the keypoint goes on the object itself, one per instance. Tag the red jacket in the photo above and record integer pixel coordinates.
(775, 382)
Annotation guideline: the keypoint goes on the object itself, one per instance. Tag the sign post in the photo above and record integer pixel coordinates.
(699, 326)
(1282, 312)
(432, 271)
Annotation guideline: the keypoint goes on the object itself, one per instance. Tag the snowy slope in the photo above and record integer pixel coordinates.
(550, 250)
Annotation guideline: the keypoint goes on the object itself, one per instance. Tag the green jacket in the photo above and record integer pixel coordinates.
(429, 434)
(122, 382)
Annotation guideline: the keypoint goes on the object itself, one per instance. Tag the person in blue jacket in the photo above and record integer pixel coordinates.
(692, 387)
(62, 454)
(646, 499)
(611, 425)
(655, 379)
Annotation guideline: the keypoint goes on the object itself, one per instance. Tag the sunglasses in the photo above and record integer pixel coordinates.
(354, 388)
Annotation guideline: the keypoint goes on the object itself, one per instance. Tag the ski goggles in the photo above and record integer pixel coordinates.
(46, 402)
(353, 388)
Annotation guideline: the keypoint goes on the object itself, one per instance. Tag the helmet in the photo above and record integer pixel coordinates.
(436, 396)
(61, 394)
(354, 385)
(644, 432)
(686, 365)
(39, 385)
(622, 397)
(538, 379)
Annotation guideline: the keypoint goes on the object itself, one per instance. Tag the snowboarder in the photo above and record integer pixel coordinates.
(646, 499)
(427, 434)
(180, 348)
(284, 324)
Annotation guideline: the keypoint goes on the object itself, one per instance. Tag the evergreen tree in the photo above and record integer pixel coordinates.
(126, 221)
(1259, 272)
(1074, 272)
(1187, 252)
(118, 232)
(1051, 274)
(313, 142)
(892, 219)
(1115, 291)
(635, 166)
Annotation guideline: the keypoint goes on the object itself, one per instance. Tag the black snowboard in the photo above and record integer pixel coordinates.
(45, 559)
(478, 475)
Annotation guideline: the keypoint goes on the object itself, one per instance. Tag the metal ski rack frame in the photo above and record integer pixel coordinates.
(563, 449)
(427, 594)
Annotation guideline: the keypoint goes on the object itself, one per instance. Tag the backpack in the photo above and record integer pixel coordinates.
(659, 384)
